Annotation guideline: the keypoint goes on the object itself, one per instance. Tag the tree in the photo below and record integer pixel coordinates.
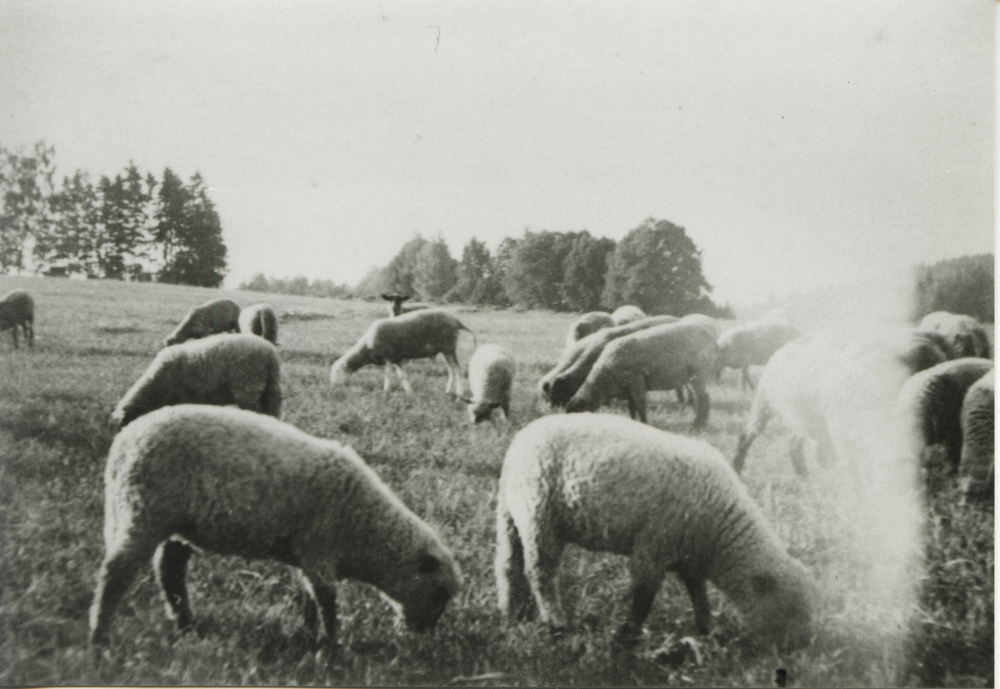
(434, 270)
(584, 270)
(26, 190)
(534, 269)
(962, 285)
(399, 274)
(478, 277)
(122, 232)
(190, 233)
(657, 267)
(70, 242)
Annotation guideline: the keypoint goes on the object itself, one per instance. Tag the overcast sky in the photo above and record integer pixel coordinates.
(797, 143)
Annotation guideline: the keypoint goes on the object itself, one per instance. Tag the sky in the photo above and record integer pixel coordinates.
(799, 144)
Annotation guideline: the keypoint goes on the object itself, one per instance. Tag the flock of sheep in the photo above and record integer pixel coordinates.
(184, 471)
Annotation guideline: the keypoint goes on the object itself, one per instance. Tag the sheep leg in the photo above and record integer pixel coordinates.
(542, 554)
(13, 332)
(454, 374)
(513, 588)
(760, 413)
(702, 402)
(698, 591)
(117, 573)
(170, 565)
(407, 388)
(322, 599)
(747, 382)
(29, 332)
(635, 393)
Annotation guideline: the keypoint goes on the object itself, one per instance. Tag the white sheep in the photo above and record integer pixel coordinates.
(575, 362)
(978, 438)
(389, 342)
(753, 344)
(210, 318)
(491, 375)
(669, 502)
(17, 308)
(261, 320)
(221, 369)
(398, 308)
(587, 324)
(627, 314)
(965, 335)
(929, 406)
(237, 483)
(664, 357)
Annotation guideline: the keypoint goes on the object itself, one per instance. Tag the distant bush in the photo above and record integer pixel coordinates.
(959, 285)
(300, 286)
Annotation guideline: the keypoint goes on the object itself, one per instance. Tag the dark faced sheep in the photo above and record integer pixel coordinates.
(397, 307)
(222, 369)
(588, 324)
(210, 318)
(667, 502)
(389, 342)
(575, 362)
(237, 483)
(930, 406)
(260, 320)
(978, 438)
(664, 357)
(17, 308)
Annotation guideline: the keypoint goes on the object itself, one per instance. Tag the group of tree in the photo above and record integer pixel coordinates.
(299, 285)
(656, 266)
(959, 285)
(126, 226)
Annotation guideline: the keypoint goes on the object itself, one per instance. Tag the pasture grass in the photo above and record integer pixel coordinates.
(94, 339)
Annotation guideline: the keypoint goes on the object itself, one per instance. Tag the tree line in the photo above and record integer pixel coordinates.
(959, 285)
(656, 266)
(130, 226)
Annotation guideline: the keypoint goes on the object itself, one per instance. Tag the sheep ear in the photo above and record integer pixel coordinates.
(763, 584)
(428, 564)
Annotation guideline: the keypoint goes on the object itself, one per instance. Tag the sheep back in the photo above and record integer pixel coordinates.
(587, 324)
(753, 344)
(669, 502)
(978, 437)
(221, 369)
(237, 483)
(260, 320)
(627, 314)
(568, 375)
(491, 375)
(217, 316)
(17, 308)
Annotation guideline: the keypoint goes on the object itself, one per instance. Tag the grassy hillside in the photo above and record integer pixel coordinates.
(94, 338)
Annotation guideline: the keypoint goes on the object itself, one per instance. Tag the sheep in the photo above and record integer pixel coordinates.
(237, 483)
(668, 502)
(221, 369)
(575, 362)
(587, 324)
(978, 425)
(260, 319)
(929, 406)
(210, 318)
(398, 308)
(809, 381)
(491, 374)
(966, 337)
(391, 341)
(17, 308)
(627, 314)
(664, 357)
(753, 344)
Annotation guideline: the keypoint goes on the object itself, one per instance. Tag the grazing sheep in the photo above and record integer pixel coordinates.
(17, 308)
(965, 336)
(559, 384)
(491, 374)
(398, 308)
(627, 314)
(391, 341)
(236, 483)
(220, 369)
(664, 357)
(930, 406)
(587, 324)
(212, 317)
(808, 382)
(753, 344)
(260, 319)
(669, 502)
(978, 425)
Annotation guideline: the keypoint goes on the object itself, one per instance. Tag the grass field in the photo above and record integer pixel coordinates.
(94, 339)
